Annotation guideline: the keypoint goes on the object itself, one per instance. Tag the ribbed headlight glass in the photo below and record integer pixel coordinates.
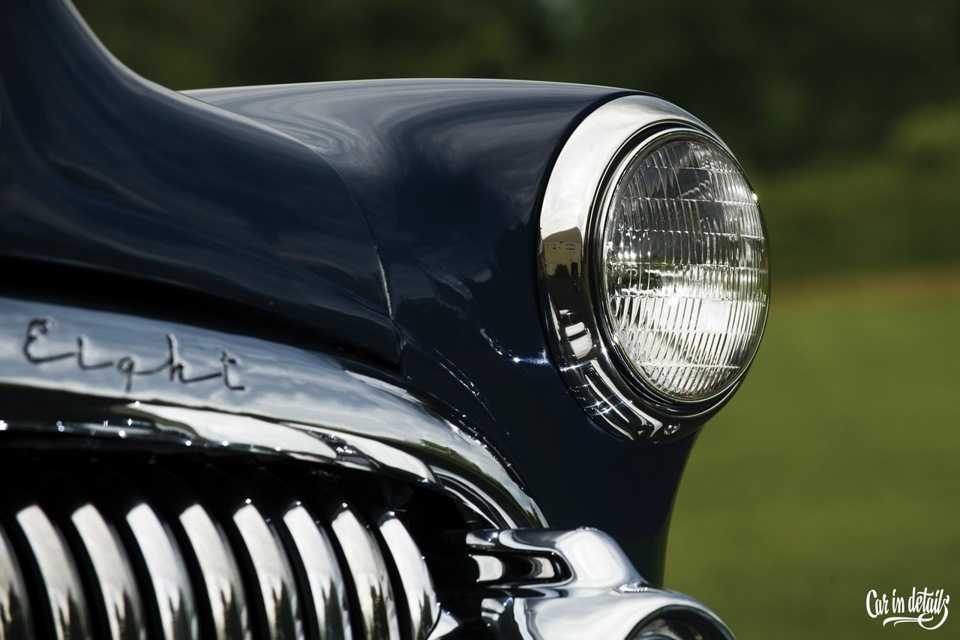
(684, 267)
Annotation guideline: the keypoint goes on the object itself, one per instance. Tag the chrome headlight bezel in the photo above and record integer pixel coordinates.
(577, 196)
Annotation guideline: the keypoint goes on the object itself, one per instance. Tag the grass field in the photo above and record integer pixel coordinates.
(836, 469)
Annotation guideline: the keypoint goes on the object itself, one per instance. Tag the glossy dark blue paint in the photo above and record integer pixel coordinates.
(450, 174)
(305, 206)
(102, 170)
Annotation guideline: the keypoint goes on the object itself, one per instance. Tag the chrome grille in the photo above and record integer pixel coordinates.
(152, 546)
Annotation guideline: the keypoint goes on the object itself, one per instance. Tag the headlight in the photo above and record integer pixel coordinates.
(683, 258)
(680, 625)
(656, 263)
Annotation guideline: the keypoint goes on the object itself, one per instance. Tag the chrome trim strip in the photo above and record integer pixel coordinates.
(422, 605)
(117, 585)
(67, 605)
(179, 384)
(324, 579)
(220, 573)
(167, 571)
(274, 576)
(16, 622)
(573, 195)
(371, 579)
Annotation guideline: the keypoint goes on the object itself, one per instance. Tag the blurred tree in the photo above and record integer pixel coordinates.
(185, 44)
(174, 42)
(349, 39)
(780, 81)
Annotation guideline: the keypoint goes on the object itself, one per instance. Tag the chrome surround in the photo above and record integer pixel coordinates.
(586, 169)
(596, 593)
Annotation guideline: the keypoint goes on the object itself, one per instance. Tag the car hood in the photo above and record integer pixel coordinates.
(449, 174)
(113, 186)
(265, 202)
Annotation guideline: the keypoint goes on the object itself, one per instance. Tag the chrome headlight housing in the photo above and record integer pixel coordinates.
(655, 259)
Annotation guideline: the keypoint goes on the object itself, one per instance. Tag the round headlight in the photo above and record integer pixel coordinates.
(682, 625)
(683, 267)
(655, 259)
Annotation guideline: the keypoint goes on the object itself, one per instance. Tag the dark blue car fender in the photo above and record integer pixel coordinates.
(324, 302)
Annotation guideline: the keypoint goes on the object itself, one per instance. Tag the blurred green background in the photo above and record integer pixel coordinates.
(836, 469)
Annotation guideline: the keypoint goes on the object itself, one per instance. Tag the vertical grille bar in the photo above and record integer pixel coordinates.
(371, 578)
(322, 573)
(16, 622)
(219, 574)
(274, 576)
(423, 610)
(168, 574)
(166, 550)
(114, 579)
(65, 600)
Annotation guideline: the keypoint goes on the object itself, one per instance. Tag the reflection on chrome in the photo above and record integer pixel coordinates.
(319, 561)
(174, 597)
(64, 593)
(598, 593)
(16, 622)
(278, 593)
(371, 578)
(575, 240)
(220, 573)
(121, 597)
(414, 577)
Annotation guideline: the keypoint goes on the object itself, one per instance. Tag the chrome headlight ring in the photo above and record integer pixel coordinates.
(654, 255)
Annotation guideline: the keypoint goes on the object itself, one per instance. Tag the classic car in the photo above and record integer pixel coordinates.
(381, 359)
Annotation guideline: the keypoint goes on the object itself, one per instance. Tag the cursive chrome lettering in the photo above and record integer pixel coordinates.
(128, 365)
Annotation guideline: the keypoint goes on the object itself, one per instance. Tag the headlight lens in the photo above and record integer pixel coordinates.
(654, 258)
(683, 264)
(663, 629)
